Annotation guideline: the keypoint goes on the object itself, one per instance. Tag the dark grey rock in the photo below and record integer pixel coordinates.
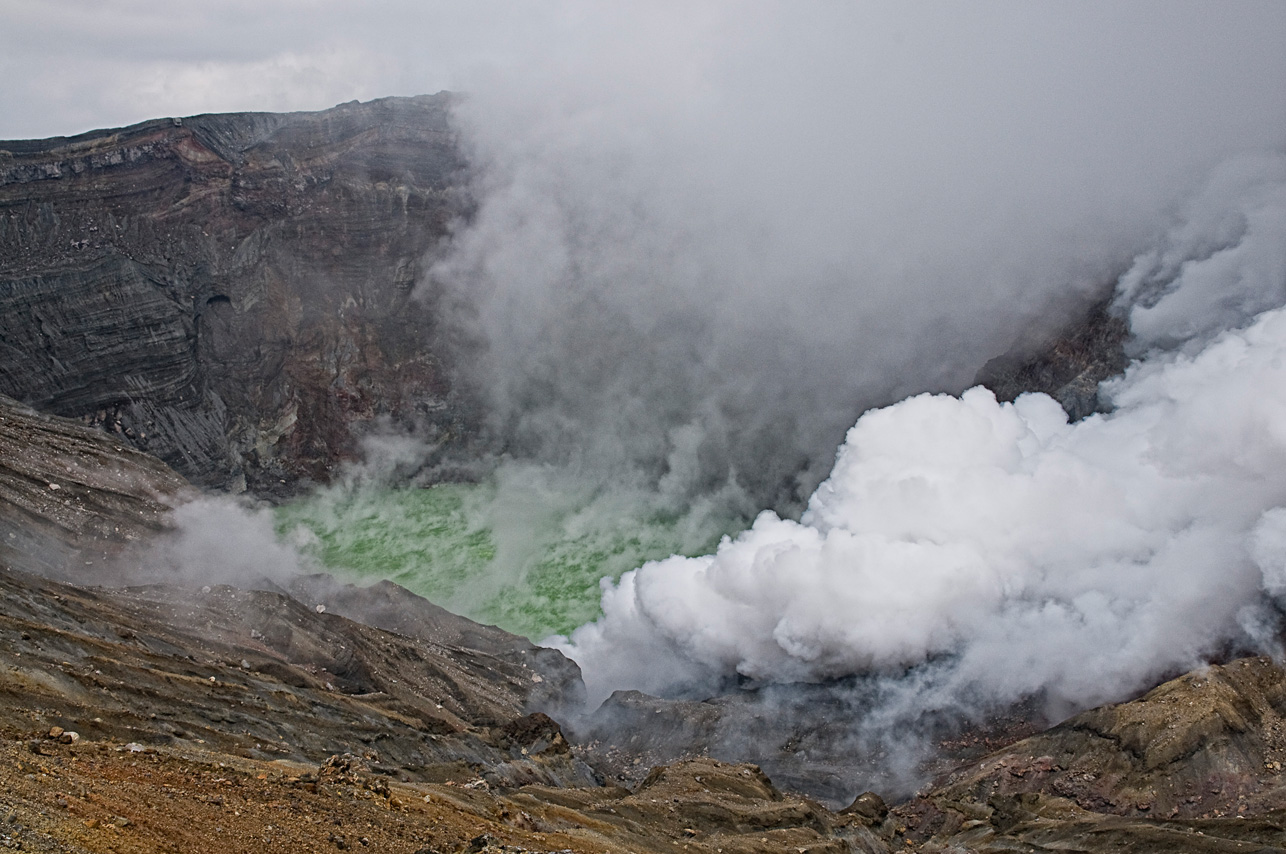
(232, 293)
(1068, 368)
(70, 494)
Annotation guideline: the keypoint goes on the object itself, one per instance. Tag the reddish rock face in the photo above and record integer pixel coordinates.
(232, 292)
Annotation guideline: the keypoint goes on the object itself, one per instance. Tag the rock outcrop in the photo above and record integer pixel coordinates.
(1194, 765)
(1069, 367)
(1209, 744)
(232, 293)
(72, 496)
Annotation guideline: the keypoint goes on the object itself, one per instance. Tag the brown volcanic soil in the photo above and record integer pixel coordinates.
(106, 797)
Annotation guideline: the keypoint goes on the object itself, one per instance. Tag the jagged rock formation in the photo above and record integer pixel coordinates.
(803, 735)
(231, 293)
(1194, 765)
(1209, 744)
(1068, 368)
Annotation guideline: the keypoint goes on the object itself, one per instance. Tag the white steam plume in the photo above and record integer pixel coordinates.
(1019, 553)
(212, 540)
(709, 236)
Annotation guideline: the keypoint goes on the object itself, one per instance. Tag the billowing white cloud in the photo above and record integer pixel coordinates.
(1020, 553)
(708, 240)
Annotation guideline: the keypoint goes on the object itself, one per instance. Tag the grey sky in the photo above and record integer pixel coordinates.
(73, 65)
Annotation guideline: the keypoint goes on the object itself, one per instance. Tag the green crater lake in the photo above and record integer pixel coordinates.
(528, 559)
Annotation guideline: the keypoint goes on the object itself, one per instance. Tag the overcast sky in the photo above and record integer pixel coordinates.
(75, 65)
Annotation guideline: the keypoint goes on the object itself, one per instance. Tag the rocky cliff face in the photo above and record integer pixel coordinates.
(231, 293)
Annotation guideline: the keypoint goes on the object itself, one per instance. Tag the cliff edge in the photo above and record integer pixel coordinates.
(231, 293)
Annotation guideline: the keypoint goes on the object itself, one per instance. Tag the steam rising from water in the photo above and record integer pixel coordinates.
(1020, 553)
(708, 239)
(524, 550)
(701, 251)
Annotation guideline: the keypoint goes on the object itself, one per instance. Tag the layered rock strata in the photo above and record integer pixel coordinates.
(71, 497)
(231, 293)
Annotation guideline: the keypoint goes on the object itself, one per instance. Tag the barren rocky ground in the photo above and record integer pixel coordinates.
(321, 716)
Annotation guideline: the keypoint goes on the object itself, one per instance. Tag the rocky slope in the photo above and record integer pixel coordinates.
(170, 719)
(71, 495)
(231, 293)
(75, 505)
(318, 717)
(173, 717)
(1194, 765)
(1068, 368)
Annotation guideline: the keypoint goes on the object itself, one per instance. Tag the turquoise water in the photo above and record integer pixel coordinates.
(520, 554)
